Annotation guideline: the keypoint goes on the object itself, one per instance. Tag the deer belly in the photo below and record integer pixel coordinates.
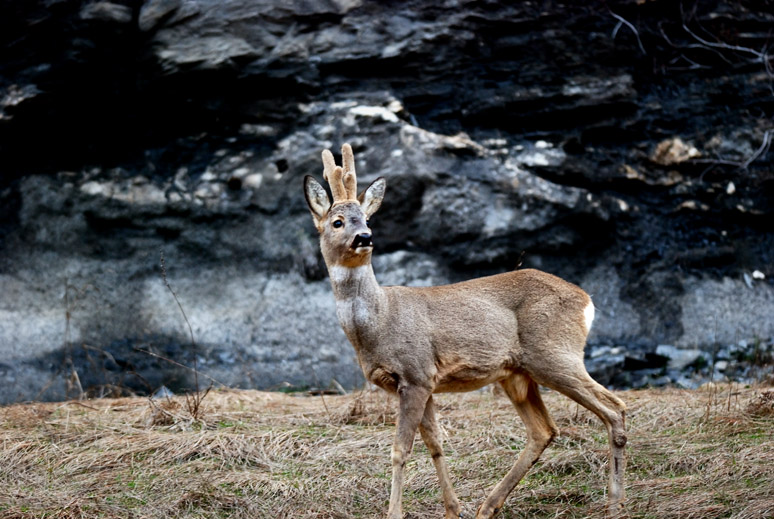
(469, 372)
(469, 379)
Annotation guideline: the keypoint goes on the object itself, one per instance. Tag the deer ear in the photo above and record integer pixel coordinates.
(316, 198)
(371, 199)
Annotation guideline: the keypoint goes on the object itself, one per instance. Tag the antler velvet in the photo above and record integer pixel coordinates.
(343, 181)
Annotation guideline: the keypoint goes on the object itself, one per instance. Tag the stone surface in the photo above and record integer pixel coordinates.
(635, 164)
(680, 359)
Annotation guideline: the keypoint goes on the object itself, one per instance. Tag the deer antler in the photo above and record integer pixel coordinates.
(343, 182)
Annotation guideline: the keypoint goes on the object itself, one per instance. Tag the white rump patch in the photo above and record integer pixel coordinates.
(588, 314)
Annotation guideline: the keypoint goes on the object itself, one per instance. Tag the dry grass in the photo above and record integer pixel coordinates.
(692, 454)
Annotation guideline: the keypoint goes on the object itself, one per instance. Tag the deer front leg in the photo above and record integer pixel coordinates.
(411, 409)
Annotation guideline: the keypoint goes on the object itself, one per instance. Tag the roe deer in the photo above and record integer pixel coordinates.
(519, 329)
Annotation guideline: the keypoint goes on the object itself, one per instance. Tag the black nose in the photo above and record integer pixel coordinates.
(362, 240)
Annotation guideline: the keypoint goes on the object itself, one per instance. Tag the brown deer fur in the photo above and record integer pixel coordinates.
(518, 329)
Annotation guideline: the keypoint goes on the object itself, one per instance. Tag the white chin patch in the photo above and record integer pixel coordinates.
(588, 315)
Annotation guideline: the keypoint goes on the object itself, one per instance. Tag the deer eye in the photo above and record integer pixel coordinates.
(338, 223)
(368, 223)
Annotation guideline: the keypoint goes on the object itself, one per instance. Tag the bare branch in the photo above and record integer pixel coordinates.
(691, 46)
(761, 56)
(193, 403)
(622, 20)
(762, 150)
(164, 277)
(726, 46)
(180, 365)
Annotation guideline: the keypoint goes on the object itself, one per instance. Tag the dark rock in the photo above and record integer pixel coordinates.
(681, 358)
(14, 95)
(153, 12)
(604, 364)
(106, 12)
(661, 381)
(510, 133)
(650, 361)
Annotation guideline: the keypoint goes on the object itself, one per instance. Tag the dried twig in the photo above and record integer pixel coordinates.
(623, 21)
(760, 56)
(180, 365)
(174, 295)
(762, 150)
(193, 402)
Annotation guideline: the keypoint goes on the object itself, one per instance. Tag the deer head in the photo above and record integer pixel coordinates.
(345, 236)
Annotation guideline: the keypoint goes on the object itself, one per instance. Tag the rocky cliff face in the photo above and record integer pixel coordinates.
(623, 146)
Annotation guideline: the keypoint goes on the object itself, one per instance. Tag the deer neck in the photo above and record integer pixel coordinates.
(359, 302)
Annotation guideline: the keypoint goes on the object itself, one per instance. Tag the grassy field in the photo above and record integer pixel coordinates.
(692, 454)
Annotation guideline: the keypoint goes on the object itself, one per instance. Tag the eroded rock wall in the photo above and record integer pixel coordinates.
(623, 146)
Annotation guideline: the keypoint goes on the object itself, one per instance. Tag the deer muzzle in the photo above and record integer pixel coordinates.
(362, 240)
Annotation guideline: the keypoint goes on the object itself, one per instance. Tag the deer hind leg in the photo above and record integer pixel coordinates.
(413, 402)
(579, 386)
(524, 394)
(428, 428)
